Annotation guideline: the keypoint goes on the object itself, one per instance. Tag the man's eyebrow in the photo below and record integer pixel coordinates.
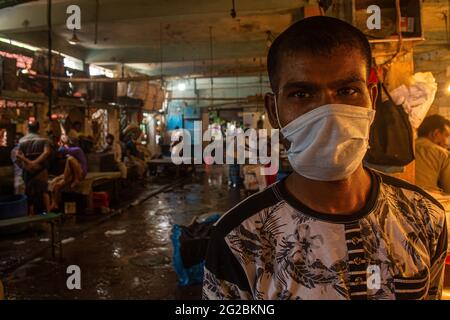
(299, 84)
(312, 85)
(350, 79)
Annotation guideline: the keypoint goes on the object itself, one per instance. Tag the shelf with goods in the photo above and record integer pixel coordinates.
(57, 101)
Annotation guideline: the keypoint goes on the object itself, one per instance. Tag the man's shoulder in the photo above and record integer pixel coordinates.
(27, 137)
(245, 210)
(33, 139)
(409, 187)
(427, 145)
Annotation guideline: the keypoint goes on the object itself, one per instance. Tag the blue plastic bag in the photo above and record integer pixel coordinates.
(193, 274)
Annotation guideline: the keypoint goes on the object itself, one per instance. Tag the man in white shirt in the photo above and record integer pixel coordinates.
(332, 229)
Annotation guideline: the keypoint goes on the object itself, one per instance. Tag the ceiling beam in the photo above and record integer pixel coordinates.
(202, 71)
(60, 44)
(179, 52)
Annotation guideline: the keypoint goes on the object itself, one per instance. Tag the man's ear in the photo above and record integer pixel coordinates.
(434, 134)
(269, 103)
(373, 91)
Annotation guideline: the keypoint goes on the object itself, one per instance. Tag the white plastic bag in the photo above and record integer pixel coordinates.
(417, 98)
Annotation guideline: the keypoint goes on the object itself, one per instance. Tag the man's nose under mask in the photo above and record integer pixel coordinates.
(329, 142)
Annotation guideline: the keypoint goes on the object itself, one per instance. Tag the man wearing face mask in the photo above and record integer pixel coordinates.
(332, 229)
(432, 155)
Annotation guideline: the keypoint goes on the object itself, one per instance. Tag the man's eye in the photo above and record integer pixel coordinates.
(347, 91)
(300, 94)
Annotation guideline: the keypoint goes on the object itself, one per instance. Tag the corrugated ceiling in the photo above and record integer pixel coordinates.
(11, 3)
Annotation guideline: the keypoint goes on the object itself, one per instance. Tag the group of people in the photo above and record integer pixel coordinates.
(35, 155)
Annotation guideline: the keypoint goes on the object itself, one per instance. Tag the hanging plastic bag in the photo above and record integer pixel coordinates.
(416, 98)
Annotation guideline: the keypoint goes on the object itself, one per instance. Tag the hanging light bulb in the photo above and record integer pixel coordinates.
(233, 10)
(74, 40)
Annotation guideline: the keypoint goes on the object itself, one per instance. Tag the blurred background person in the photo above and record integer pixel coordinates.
(432, 155)
(32, 156)
(111, 146)
(75, 171)
(134, 158)
(19, 184)
(75, 133)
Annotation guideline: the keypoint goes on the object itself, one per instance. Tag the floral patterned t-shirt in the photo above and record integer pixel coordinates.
(271, 246)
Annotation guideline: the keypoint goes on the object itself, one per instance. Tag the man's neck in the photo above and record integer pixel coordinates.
(335, 197)
(430, 140)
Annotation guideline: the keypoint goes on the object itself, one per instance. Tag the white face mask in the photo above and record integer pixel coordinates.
(329, 142)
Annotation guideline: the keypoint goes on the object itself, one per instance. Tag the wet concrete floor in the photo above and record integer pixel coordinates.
(128, 256)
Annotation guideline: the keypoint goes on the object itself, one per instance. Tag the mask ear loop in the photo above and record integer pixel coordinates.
(276, 111)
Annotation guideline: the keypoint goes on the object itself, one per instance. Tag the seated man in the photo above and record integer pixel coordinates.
(432, 156)
(134, 157)
(74, 133)
(75, 170)
(111, 147)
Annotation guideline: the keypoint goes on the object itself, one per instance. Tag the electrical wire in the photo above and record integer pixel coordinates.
(399, 32)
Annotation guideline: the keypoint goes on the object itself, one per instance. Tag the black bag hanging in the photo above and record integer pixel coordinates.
(391, 135)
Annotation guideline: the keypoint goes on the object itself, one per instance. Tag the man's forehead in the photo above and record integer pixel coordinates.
(308, 67)
(447, 129)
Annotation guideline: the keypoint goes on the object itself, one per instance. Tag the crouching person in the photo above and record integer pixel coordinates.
(75, 171)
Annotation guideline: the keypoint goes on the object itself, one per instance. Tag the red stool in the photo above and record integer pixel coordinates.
(100, 200)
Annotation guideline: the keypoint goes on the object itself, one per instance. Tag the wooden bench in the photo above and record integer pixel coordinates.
(94, 180)
(54, 219)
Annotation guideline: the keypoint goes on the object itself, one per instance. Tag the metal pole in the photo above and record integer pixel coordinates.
(49, 52)
(211, 57)
(161, 54)
(97, 7)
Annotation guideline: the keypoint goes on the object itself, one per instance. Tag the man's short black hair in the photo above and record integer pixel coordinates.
(432, 123)
(319, 36)
(76, 123)
(33, 126)
(110, 136)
